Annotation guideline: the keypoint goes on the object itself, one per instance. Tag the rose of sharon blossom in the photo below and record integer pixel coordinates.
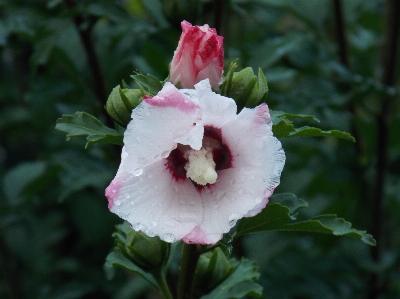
(191, 167)
(200, 55)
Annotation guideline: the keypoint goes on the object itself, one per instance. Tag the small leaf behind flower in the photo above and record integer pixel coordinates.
(84, 124)
(239, 283)
(117, 259)
(148, 83)
(283, 127)
(277, 216)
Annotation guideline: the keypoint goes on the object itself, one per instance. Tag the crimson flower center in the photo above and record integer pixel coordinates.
(213, 156)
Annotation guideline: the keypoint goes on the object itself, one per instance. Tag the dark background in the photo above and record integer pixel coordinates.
(333, 59)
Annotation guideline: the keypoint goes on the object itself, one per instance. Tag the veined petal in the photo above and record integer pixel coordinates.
(155, 203)
(243, 190)
(156, 125)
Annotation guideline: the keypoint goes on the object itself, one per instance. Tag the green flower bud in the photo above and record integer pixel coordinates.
(244, 87)
(149, 253)
(212, 269)
(121, 102)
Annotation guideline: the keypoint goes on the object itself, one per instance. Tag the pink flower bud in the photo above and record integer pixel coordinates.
(200, 55)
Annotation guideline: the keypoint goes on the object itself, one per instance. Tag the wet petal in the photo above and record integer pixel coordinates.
(157, 125)
(244, 189)
(155, 203)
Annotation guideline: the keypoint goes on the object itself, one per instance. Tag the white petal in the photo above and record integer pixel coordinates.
(156, 125)
(244, 189)
(155, 203)
(216, 110)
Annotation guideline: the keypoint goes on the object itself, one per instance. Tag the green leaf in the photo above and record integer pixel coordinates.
(149, 83)
(117, 259)
(277, 216)
(330, 224)
(285, 128)
(239, 283)
(277, 116)
(84, 124)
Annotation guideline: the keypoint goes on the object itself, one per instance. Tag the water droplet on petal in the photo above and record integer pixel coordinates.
(192, 203)
(221, 195)
(132, 203)
(151, 233)
(117, 202)
(127, 196)
(175, 188)
(137, 172)
(136, 226)
(169, 238)
(182, 202)
(258, 200)
(114, 191)
(149, 175)
(216, 207)
(233, 181)
(165, 154)
(241, 192)
(154, 223)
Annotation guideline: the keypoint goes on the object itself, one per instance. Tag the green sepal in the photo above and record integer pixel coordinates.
(212, 268)
(239, 283)
(279, 214)
(84, 124)
(245, 87)
(149, 253)
(121, 102)
(283, 127)
(148, 84)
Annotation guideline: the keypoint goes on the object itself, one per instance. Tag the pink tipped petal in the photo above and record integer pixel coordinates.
(156, 204)
(156, 124)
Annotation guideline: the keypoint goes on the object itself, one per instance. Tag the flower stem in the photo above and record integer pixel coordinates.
(162, 285)
(190, 256)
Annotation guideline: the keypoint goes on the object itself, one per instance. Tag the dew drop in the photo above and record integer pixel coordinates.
(221, 195)
(157, 157)
(114, 191)
(192, 203)
(149, 175)
(147, 113)
(175, 188)
(151, 233)
(117, 202)
(169, 238)
(233, 181)
(258, 200)
(127, 196)
(136, 226)
(153, 223)
(216, 207)
(182, 202)
(137, 172)
(132, 203)
(165, 154)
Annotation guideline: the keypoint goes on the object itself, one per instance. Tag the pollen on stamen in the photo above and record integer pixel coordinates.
(200, 167)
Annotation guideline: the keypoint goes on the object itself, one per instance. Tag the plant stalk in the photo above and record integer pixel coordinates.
(190, 257)
(163, 285)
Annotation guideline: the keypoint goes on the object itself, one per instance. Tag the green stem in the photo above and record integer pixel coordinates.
(190, 256)
(163, 285)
